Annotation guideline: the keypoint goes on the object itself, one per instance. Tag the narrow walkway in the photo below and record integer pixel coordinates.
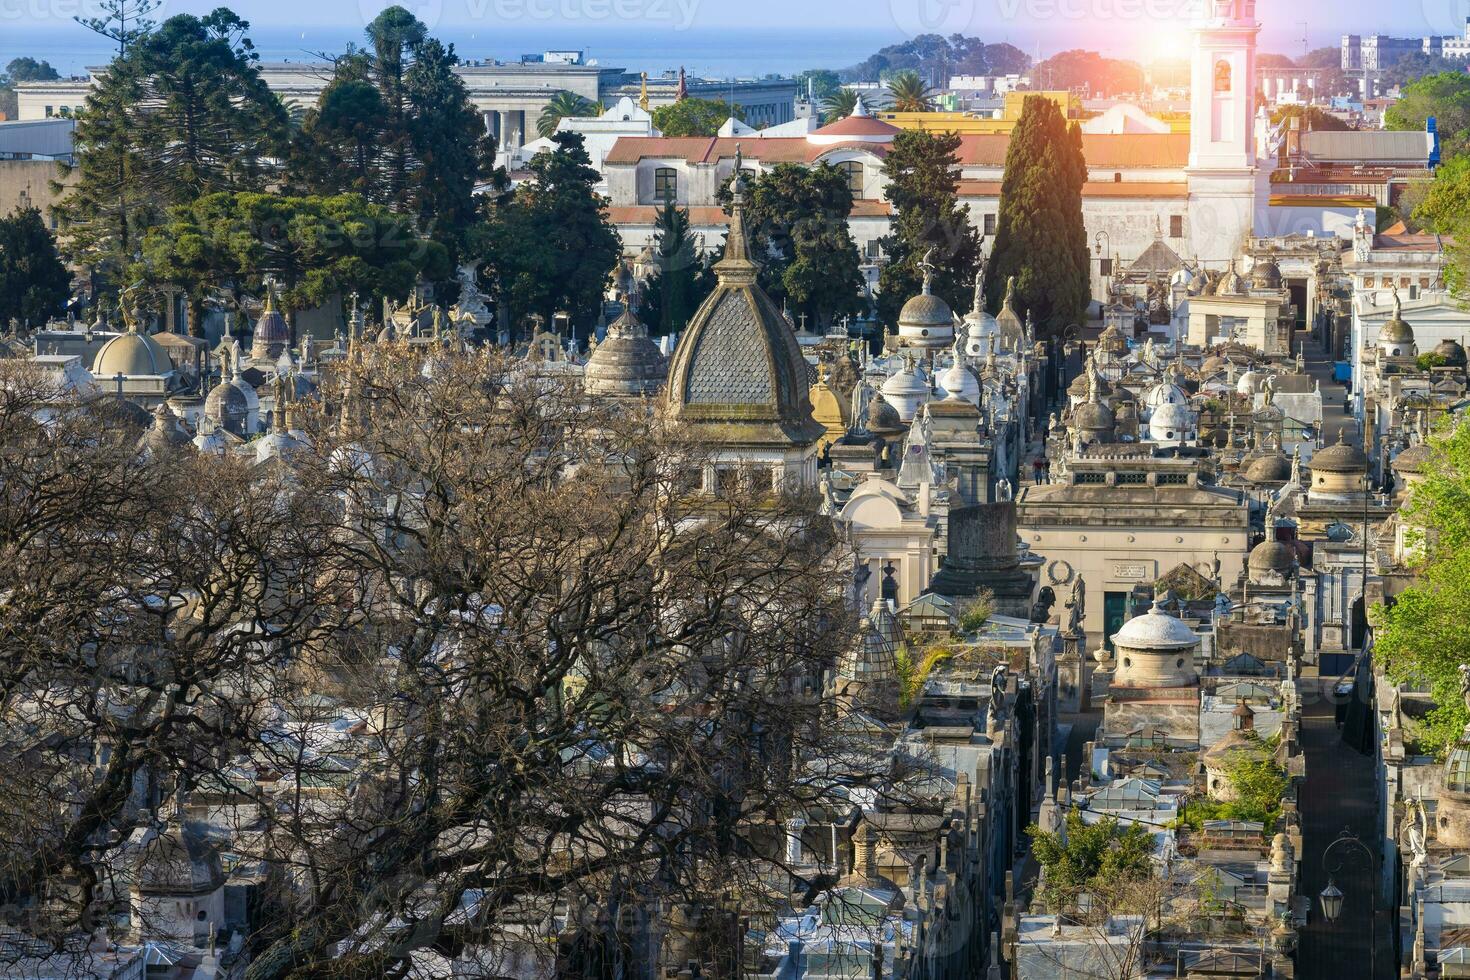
(1339, 793)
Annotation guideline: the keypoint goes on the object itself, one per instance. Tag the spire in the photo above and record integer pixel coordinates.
(643, 93)
(737, 266)
(270, 298)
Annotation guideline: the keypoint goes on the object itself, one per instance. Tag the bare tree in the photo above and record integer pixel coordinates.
(577, 686)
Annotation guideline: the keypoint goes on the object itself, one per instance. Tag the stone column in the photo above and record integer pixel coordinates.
(794, 826)
(502, 129)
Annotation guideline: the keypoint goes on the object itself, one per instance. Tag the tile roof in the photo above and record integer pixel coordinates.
(1098, 189)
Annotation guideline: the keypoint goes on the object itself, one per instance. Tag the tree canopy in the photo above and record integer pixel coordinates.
(695, 117)
(1040, 237)
(316, 248)
(923, 187)
(396, 125)
(797, 218)
(1421, 636)
(681, 278)
(34, 285)
(549, 245)
(1097, 856)
(1444, 96)
(1079, 69)
(939, 58)
(1444, 208)
(183, 113)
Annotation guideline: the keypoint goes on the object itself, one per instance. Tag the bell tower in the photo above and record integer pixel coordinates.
(1222, 153)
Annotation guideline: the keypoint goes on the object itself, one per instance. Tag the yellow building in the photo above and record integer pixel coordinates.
(970, 125)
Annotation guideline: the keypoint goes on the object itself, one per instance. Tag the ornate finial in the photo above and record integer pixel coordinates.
(979, 305)
(1398, 304)
(270, 298)
(1010, 293)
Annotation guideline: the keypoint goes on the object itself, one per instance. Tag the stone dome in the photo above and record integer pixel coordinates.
(1093, 416)
(738, 375)
(1231, 284)
(1397, 331)
(178, 860)
(1451, 353)
(1078, 387)
(166, 433)
(1266, 274)
(883, 418)
(1271, 556)
(130, 354)
(1164, 392)
(958, 381)
(1171, 423)
(272, 334)
(1339, 458)
(906, 391)
(627, 362)
(1412, 460)
(1270, 468)
(926, 320)
(1155, 630)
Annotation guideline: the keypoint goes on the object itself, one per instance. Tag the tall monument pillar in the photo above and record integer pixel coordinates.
(1222, 152)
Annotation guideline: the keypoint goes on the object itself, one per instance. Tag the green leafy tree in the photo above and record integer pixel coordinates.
(1040, 238)
(695, 117)
(183, 114)
(839, 105)
(923, 187)
(1445, 210)
(908, 92)
(21, 70)
(316, 248)
(396, 125)
(563, 105)
(798, 221)
(1422, 636)
(1446, 97)
(1314, 118)
(1088, 70)
(818, 83)
(34, 285)
(938, 57)
(1090, 857)
(122, 21)
(680, 281)
(30, 70)
(550, 245)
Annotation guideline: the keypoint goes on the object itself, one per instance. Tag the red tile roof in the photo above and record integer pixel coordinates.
(1102, 189)
(709, 149)
(647, 214)
(1126, 151)
(859, 126)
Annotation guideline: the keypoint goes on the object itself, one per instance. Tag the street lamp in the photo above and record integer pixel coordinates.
(1331, 901)
(1332, 896)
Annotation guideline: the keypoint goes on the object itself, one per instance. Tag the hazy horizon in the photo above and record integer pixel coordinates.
(722, 37)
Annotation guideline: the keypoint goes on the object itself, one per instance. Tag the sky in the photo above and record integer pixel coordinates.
(742, 36)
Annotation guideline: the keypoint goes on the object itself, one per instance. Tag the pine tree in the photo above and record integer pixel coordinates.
(34, 285)
(550, 245)
(923, 187)
(183, 114)
(798, 218)
(672, 294)
(1040, 236)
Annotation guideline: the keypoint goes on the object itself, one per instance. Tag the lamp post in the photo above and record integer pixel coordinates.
(1332, 897)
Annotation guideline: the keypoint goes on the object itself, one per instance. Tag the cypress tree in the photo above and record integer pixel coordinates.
(923, 187)
(1040, 237)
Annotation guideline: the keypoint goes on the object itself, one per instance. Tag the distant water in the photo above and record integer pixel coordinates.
(703, 52)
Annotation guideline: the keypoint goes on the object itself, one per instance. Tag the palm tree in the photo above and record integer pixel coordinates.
(909, 92)
(563, 105)
(839, 105)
